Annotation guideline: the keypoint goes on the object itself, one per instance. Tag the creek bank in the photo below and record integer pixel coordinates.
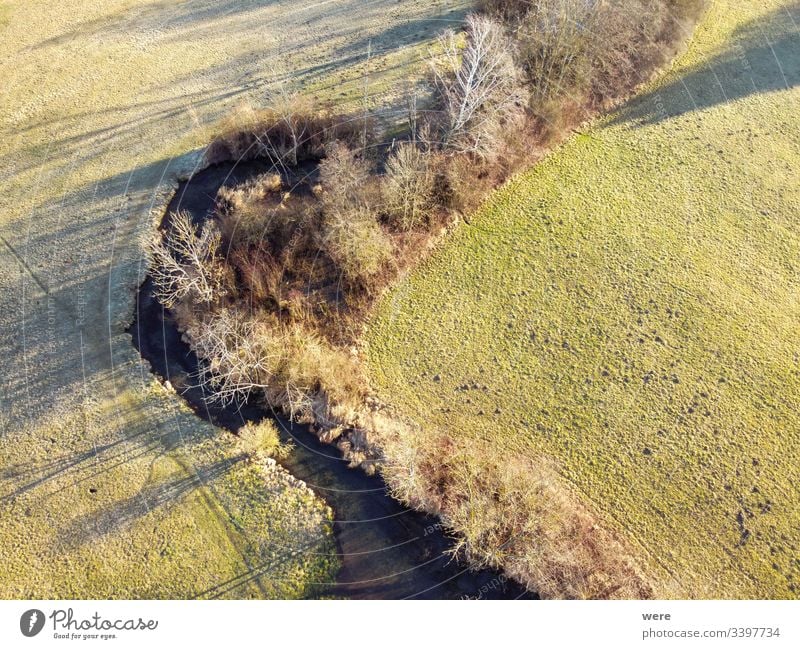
(386, 550)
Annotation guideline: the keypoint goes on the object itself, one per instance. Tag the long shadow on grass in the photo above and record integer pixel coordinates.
(762, 56)
(124, 513)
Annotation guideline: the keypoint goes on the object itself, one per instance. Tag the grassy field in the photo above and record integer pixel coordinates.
(631, 308)
(164, 513)
(108, 487)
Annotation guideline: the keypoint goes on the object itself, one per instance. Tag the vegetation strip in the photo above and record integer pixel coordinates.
(273, 294)
(385, 550)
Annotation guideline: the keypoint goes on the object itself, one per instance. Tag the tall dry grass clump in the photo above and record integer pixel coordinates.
(259, 440)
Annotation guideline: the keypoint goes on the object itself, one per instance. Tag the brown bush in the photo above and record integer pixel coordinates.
(557, 39)
(514, 514)
(591, 50)
(351, 233)
(409, 186)
(284, 134)
(509, 11)
(465, 183)
(252, 354)
(245, 211)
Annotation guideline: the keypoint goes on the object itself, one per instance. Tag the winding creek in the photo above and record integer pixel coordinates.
(386, 550)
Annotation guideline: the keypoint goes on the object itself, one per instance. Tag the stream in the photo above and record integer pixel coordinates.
(386, 550)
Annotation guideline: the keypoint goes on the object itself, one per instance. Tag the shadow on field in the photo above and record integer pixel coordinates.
(124, 513)
(158, 17)
(762, 56)
(67, 312)
(84, 466)
(204, 19)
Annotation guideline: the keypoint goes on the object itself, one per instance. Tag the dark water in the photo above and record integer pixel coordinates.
(386, 550)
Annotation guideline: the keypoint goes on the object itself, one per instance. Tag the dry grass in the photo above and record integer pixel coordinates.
(261, 440)
(101, 101)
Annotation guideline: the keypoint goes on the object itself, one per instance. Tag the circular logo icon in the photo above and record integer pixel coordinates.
(31, 622)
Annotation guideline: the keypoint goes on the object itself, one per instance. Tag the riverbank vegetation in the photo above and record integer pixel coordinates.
(274, 291)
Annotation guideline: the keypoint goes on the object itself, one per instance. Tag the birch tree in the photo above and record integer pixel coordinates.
(479, 84)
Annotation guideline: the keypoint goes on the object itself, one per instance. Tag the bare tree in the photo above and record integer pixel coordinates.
(478, 85)
(556, 44)
(184, 261)
(408, 185)
(412, 111)
(291, 131)
(239, 355)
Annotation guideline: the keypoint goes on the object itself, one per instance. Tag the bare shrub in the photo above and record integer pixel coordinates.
(409, 186)
(252, 355)
(633, 38)
(579, 50)
(239, 354)
(556, 42)
(513, 513)
(509, 11)
(357, 245)
(311, 369)
(184, 262)
(478, 85)
(351, 233)
(466, 183)
(292, 131)
(291, 135)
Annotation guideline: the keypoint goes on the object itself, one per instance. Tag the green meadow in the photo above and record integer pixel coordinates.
(630, 308)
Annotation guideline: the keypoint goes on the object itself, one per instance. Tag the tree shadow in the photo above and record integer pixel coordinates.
(123, 513)
(164, 16)
(760, 57)
(84, 466)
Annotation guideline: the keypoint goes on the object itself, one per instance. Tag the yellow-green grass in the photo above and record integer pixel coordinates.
(631, 308)
(137, 513)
